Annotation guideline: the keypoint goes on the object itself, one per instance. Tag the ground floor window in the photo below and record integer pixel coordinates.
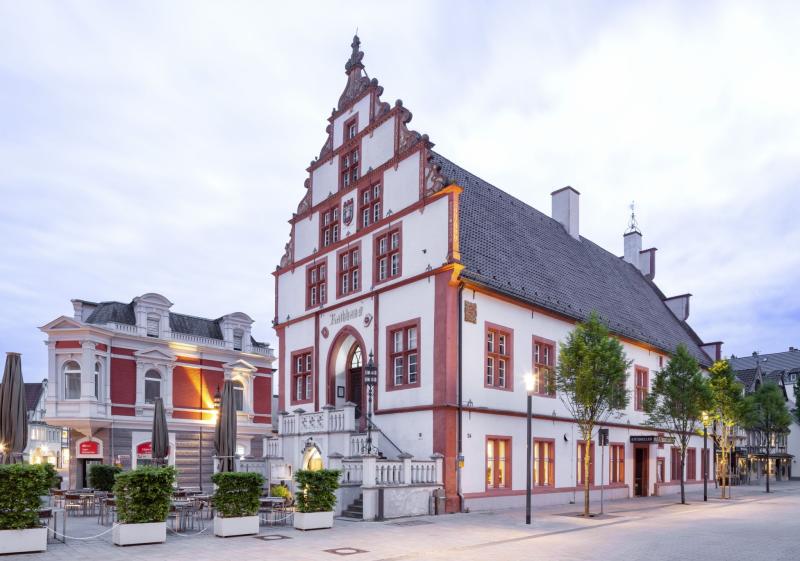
(675, 464)
(616, 458)
(691, 464)
(498, 459)
(582, 463)
(543, 463)
(660, 470)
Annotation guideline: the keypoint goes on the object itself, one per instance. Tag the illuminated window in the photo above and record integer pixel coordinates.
(543, 463)
(499, 350)
(616, 459)
(543, 371)
(582, 463)
(498, 458)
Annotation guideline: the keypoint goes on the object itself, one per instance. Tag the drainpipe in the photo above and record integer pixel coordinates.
(460, 408)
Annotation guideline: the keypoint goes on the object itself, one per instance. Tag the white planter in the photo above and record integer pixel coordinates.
(135, 534)
(23, 541)
(237, 526)
(313, 520)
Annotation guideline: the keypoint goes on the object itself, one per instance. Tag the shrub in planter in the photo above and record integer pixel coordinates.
(101, 476)
(236, 502)
(316, 498)
(143, 499)
(52, 474)
(21, 485)
(281, 491)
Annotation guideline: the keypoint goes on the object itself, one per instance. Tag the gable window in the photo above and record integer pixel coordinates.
(237, 340)
(302, 376)
(543, 372)
(152, 386)
(499, 349)
(329, 226)
(349, 168)
(316, 285)
(153, 325)
(498, 461)
(72, 380)
(582, 462)
(616, 460)
(642, 382)
(349, 270)
(351, 128)
(388, 248)
(238, 395)
(369, 204)
(97, 368)
(403, 350)
(543, 463)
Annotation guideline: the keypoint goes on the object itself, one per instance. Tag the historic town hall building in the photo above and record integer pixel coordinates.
(108, 362)
(457, 290)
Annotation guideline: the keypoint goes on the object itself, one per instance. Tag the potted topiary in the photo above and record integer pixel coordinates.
(143, 499)
(236, 503)
(21, 486)
(316, 498)
(101, 476)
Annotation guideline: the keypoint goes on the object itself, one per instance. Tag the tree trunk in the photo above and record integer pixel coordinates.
(767, 466)
(683, 464)
(587, 454)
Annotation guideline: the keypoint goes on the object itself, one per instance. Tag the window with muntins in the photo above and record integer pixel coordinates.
(350, 163)
(498, 459)
(351, 128)
(544, 460)
(387, 255)
(616, 461)
(582, 463)
(152, 386)
(302, 377)
(543, 371)
(642, 383)
(499, 371)
(349, 270)
(153, 326)
(316, 285)
(370, 205)
(238, 395)
(72, 380)
(403, 345)
(329, 226)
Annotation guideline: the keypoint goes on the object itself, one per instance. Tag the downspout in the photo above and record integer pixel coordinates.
(460, 454)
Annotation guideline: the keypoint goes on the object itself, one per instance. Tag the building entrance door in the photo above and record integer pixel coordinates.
(355, 386)
(641, 456)
(86, 466)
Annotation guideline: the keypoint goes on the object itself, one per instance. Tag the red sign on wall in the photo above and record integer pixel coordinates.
(89, 448)
(144, 450)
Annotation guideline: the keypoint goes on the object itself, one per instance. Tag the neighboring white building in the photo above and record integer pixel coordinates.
(459, 290)
(44, 440)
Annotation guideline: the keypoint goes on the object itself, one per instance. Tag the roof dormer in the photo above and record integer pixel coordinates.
(152, 315)
(236, 329)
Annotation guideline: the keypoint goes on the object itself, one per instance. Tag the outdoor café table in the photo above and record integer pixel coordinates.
(181, 508)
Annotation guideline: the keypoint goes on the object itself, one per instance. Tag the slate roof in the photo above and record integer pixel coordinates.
(33, 391)
(786, 360)
(517, 250)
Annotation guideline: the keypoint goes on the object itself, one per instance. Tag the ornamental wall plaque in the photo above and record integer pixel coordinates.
(367, 320)
(471, 312)
(325, 332)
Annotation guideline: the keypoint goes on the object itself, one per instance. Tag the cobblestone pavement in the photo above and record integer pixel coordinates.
(753, 525)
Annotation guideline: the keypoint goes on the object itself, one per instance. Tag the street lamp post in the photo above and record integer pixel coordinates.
(529, 475)
(371, 380)
(705, 456)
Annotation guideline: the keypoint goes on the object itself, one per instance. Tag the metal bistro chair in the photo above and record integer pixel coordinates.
(57, 498)
(74, 503)
(107, 512)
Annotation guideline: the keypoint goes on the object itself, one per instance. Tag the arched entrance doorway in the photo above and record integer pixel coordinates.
(345, 371)
(312, 458)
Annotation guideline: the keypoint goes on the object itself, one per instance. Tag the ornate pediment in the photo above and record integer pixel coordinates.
(62, 322)
(155, 354)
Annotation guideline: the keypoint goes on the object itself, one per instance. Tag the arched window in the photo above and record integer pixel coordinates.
(97, 368)
(355, 358)
(152, 386)
(72, 380)
(238, 395)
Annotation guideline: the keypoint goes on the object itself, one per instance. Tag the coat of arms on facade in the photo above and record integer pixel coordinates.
(347, 212)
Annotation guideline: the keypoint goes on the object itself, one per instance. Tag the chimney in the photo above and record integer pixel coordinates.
(679, 306)
(565, 209)
(714, 350)
(647, 262)
(633, 247)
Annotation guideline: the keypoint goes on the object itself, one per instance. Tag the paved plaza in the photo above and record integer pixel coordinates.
(753, 525)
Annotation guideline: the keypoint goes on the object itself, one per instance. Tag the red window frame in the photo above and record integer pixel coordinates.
(616, 462)
(350, 167)
(544, 462)
(642, 386)
(370, 205)
(691, 464)
(498, 355)
(675, 464)
(580, 450)
(544, 362)
(493, 462)
(350, 129)
(302, 369)
(317, 284)
(388, 253)
(348, 270)
(404, 355)
(330, 226)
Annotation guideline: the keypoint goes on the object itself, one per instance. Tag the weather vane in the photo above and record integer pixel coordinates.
(633, 225)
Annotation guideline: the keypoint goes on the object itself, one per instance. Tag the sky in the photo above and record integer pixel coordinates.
(162, 146)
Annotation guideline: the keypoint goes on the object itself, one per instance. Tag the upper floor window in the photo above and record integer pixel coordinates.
(543, 371)
(152, 386)
(403, 346)
(153, 322)
(72, 380)
(238, 395)
(351, 128)
(369, 204)
(387, 255)
(316, 285)
(349, 270)
(302, 376)
(642, 384)
(349, 168)
(238, 336)
(329, 226)
(499, 350)
(97, 368)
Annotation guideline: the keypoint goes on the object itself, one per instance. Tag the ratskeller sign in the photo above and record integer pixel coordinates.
(651, 439)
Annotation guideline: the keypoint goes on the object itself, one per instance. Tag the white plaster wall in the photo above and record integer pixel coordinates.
(362, 109)
(378, 146)
(401, 184)
(306, 236)
(324, 181)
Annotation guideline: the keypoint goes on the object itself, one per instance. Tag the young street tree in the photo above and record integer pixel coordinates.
(727, 403)
(765, 412)
(590, 378)
(677, 400)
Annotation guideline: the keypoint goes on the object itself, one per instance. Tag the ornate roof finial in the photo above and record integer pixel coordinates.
(355, 56)
(633, 225)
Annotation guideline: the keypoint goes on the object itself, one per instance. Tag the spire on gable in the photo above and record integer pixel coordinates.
(355, 56)
(357, 79)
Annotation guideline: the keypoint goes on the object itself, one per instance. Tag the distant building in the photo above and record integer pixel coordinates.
(782, 369)
(110, 360)
(44, 441)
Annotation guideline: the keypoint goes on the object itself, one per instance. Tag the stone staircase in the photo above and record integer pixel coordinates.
(355, 510)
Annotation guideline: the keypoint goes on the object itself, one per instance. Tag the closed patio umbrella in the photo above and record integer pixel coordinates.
(13, 411)
(159, 440)
(225, 432)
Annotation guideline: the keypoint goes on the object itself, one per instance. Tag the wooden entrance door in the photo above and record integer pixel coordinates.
(641, 457)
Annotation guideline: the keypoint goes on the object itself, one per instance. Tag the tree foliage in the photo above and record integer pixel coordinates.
(727, 407)
(765, 411)
(590, 379)
(679, 396)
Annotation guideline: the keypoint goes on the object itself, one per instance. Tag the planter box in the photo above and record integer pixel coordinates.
(237, 526)
(313, 520)
(23, 541)
(135, 534)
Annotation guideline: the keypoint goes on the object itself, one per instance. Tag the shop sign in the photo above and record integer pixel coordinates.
(651, 439)
(89, 448)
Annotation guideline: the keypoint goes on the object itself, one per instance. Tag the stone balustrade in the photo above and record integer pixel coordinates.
(299, 422)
